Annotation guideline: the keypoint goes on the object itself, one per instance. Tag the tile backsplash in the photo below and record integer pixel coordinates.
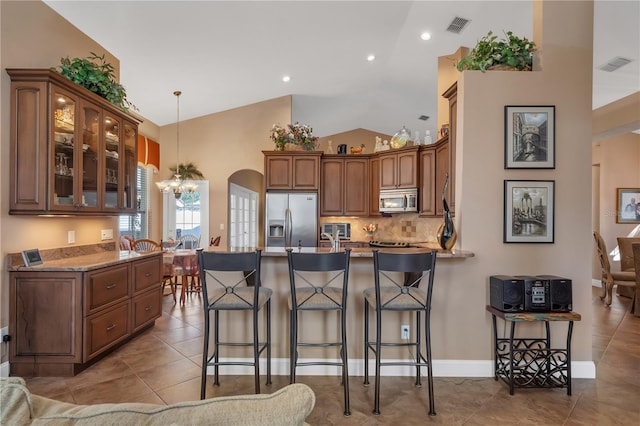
(406, 227)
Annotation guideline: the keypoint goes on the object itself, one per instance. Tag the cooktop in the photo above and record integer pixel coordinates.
(388, 244)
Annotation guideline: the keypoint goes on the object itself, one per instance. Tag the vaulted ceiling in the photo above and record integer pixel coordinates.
(226, 54)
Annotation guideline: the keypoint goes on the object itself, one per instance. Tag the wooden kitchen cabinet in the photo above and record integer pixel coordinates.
(72, 152)
(292, 171)
(60, 321)
(344, 186)
(374, 186)
(399, 168)
(427, 197)
(443, 158)
(452, 96)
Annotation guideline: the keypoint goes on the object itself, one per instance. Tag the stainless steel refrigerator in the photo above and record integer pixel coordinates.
(291, 219)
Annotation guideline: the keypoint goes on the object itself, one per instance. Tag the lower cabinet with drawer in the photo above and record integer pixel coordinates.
(62, 321)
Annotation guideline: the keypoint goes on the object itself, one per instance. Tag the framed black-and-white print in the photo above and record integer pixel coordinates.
(628, 205)
(529, 141)
(31, 257)
(529, 211)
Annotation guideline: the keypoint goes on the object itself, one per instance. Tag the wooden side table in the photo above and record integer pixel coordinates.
(532, 362)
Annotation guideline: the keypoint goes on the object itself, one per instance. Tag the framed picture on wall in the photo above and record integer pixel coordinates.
(628, 203)
(530, 141)
(529, 211)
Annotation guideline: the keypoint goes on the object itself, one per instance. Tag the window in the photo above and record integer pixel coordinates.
(136, 225)
(243, 217)
(187, 215)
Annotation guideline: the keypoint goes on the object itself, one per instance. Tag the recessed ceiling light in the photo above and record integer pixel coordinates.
(371, 58)
(425, 36)
(286, 78)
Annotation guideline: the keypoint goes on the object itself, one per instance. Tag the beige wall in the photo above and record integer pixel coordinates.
(33, 36)
(355, 137)
(563, 31)
(220, 144)
(618, 162)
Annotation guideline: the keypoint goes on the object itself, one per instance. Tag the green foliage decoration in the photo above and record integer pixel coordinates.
(187, 171)
(491, 52)
(96, 75)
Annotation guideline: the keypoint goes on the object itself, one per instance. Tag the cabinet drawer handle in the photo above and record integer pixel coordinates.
(147, 275)
(111, 327)
(110, 286)
(148, 308)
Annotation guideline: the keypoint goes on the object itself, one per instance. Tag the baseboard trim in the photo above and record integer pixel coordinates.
(441, 368)
(4, 369)
(596, 283)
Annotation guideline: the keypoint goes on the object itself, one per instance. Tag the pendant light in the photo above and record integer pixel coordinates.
(177, 186)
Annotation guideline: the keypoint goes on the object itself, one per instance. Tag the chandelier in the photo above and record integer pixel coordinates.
(177, 185)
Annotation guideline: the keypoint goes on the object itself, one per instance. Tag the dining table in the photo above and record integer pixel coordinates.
(182, 263)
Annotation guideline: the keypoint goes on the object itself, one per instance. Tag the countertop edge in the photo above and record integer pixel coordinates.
(86, 262)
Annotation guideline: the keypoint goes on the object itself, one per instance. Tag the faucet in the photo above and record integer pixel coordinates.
(335, 240)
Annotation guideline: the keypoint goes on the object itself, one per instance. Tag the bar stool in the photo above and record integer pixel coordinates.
(223, 291)
(400, 296)
(319, 283)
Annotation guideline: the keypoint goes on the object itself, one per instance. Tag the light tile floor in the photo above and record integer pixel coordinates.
(162, 366)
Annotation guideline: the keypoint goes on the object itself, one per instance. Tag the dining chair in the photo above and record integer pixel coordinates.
(626, 253)
(635, 305)
(610, 279)
(318, 282)
(189, 241)
(393, 292)
(145, 244)
(224, 287)
(126, 242)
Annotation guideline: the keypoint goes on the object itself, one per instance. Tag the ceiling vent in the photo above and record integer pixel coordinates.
(457, 25)
(423, 117)
(614, 64)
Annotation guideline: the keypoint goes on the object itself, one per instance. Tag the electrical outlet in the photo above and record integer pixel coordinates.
(71, 237)
(106, 234)
(404, 331)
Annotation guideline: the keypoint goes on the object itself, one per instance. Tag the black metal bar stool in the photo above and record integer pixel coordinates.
(223, 291)
(319, 282)
(400, 295)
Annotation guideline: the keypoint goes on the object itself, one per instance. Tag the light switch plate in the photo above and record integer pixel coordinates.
(106, 234)
(71, 237)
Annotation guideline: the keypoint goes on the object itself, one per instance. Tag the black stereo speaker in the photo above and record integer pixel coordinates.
(506, 293)
(536, 294)
(560, 293)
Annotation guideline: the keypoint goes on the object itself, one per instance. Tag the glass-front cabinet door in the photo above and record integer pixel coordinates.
(130, 164)
(89, 163)
(112, 171)
(64, 150)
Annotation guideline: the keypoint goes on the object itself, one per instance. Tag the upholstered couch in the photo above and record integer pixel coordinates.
(288, 406)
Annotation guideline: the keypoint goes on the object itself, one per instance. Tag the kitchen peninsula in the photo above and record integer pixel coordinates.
(275, 275)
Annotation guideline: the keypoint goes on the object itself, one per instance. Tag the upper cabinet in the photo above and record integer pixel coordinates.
(452, 95)
(426, 194)
(399, 168)
(72, 152)
(344, 186)
(287, 170)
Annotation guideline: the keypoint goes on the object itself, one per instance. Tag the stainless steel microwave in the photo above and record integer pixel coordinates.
(399, 200)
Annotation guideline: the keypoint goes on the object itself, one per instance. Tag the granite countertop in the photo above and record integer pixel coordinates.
(85, 262)
(355, 252)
